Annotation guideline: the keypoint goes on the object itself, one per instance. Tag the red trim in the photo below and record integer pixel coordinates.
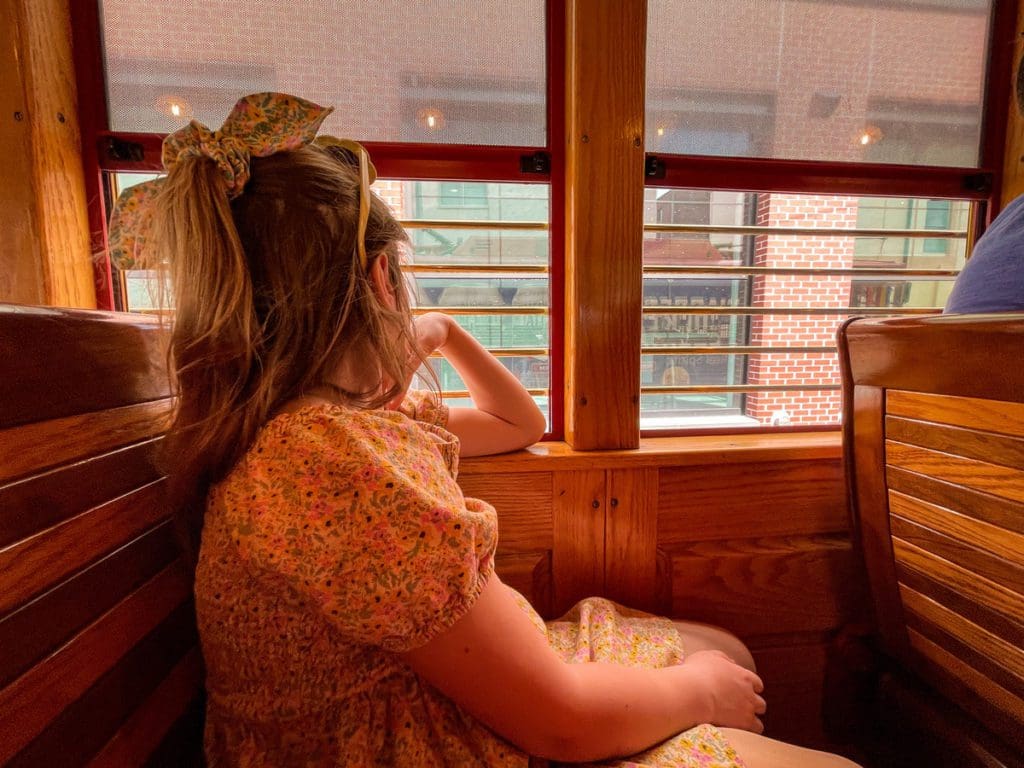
(997, 96)
(92, 118)
(555, 51)
(744, 174)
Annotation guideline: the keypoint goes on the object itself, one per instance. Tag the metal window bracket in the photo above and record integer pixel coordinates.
(538, 162)
(654, 167)
(124, 151)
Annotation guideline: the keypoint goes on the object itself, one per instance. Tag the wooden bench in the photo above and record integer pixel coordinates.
(98, 658)
(934, 444)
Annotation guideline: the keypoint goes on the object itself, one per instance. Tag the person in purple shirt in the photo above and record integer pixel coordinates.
(993, 279)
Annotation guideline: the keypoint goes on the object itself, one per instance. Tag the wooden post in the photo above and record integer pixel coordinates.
(605, 50)
(44, 243)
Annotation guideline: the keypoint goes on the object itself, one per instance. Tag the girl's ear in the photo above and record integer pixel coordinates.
(380, 279)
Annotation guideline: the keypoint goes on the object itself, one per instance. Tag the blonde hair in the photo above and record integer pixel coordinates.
(269, 297)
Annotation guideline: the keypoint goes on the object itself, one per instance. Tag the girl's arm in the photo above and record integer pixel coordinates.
(505, 417)
(496, 665)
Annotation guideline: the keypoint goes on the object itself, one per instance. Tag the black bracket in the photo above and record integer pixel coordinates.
(654, 167)
(124, 151)
(978, 182)
(538, 162)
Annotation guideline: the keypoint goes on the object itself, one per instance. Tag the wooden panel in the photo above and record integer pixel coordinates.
(970, 412)
(21, 278)
(41, 501)
(980, 506)
(142, 732)
(765, 586)
(733, 501)
(987, 593)
(631, 538)
(57, 177)
(106, 359)
(529, 574)
(974, 641)
(36, 698)
(578, 558)
(81, 730)
(793, 677)
(37, 629)
(33, 447)
(604, 216)
(978, 475)
(984, 446)
(523, 502)
(31, 566)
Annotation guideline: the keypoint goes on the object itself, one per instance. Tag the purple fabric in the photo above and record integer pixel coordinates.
(993, 279)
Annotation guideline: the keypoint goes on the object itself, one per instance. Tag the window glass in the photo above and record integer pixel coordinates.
(451, 71)
(857, 80)
(743, 293)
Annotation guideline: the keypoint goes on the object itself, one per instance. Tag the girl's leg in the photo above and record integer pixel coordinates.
(761, 752)
(705, 637)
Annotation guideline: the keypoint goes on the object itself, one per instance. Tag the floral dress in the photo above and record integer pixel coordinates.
(339, 539)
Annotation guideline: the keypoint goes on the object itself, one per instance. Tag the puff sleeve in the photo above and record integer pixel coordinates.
(363, 521)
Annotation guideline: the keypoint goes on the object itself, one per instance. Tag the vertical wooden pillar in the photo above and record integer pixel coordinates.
(44, 243)
(1013, 165)
(605, 51)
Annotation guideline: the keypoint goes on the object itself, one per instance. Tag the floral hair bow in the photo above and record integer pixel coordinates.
(259, 125)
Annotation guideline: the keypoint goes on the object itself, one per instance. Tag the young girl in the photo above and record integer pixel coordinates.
(346, 596)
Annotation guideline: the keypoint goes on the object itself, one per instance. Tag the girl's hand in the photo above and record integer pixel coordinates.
(732, 692)
(431, 333)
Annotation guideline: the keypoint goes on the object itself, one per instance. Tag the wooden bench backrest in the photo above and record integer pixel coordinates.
(98, 656)
(934, 439)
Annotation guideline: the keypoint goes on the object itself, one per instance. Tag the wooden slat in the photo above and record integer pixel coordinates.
(81, 730)
(578, 557)
(977, 588)
(39, 628)
(38, 502)
(1007, 573)
(36, 698)
(529, 573)
(107, 360)
(959, 441)
(523, 502)
(604, 184)
(31, 566)
(631, 537)
(971, 412)
(995, 649)
(759, 587)
(981, 506)
(719, 502)
(989, 691)
(141, 733)
(33, 447)
(978, 475)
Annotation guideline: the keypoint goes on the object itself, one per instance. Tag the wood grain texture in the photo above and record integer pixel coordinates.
(39, 628)
(631, 537)
(524, 505)
(61, 363)
(765, 586)
(578, 558)
(970, 412)
(785, 498)
(57, 174)
(142, 732)
(43, 500)
(980, 506)
(36, 698)
(793, 677)
(970, 473)
(33, 565)
(986, 593)
(969, 443)
(529, 574)
(33, 447)
(605, 56)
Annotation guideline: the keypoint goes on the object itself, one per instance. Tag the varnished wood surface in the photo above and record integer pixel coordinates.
(980, 506)
(524, 505)
(968, 443)
(631, 537)
(994, 479)
(983, 414)
(578, 559)
(605, 54)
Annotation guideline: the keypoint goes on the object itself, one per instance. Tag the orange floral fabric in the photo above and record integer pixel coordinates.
(340, 538)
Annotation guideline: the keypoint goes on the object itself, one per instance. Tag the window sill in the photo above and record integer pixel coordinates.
(666, 452)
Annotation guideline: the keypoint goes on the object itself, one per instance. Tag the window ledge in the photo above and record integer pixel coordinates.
(666, 452)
